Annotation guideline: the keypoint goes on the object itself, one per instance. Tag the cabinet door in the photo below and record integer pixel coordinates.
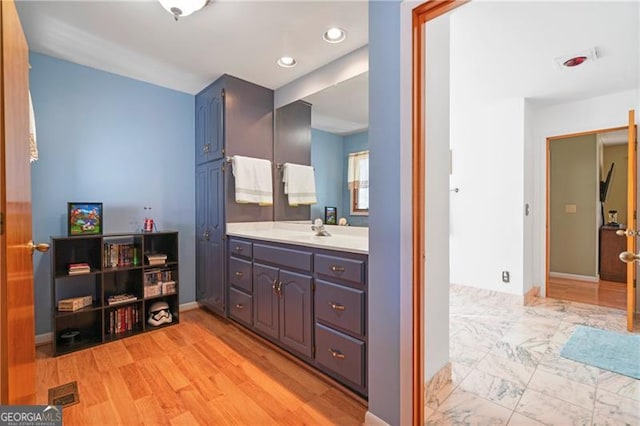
(201, 229)
(209, 124)
(215, 131)
(295, 312)
(265, 300)
(210, 252)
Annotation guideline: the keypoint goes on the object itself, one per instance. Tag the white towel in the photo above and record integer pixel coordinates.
(33, 146)
(253, 180)
(299, 184)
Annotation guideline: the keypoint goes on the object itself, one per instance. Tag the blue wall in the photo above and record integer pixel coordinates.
(353, 143)
(327, 158)
(329, 155)
(388, 233)
(104, 137)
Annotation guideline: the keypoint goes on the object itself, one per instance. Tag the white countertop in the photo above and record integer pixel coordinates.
(351, 239)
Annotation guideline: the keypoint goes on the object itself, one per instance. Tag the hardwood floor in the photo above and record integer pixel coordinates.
(603, 293)
(203, 371)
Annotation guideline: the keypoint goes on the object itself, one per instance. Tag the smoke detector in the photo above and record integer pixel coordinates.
(572, 61)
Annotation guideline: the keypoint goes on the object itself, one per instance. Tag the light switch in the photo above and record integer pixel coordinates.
(570, 208)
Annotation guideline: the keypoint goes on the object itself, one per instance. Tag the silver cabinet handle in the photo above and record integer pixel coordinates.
(239, 306)
(335, 268)
(239, 249)
(274, 286)
(337, 354)
(336, 306)
(239, 274)
(206, 148)
(206, 235)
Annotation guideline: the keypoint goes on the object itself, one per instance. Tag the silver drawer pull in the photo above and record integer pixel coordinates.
(238, 248)
(239, 274)
(239, 306)
(335, 268)
(337, 354)
(336, 307)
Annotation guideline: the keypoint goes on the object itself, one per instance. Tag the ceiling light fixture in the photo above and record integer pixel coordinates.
(334, 35)
(179, 8)
(287, 62)
(578, 58)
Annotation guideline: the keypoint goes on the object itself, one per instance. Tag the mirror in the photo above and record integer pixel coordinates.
(339, 117)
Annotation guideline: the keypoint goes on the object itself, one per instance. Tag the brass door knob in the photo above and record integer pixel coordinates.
(628, 257)
(41, 247)
(626, 233)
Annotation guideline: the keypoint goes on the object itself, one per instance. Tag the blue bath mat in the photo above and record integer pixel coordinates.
(608, 350)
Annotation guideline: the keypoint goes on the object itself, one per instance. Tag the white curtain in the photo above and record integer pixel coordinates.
(358, 171)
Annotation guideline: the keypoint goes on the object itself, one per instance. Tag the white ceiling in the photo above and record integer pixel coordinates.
(501, 49)
(507, 49)
(139, 39)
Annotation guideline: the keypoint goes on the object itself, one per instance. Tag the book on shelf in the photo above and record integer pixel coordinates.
(124, 319)
(74, 303)
(79, 268)
(120, 298)
(156, 259)
(120, 255)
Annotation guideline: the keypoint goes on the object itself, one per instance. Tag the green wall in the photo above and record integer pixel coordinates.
(574, 181)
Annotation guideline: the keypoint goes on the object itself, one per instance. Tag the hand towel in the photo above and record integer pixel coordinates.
(33, 146)
(299, 184)
(253, 180)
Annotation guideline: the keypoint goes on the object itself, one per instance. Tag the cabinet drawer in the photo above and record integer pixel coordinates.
(240, 306)
(240, 248)
(340, 268)
(240, 273)
(340, 306)
(341, 354)
(298, 259)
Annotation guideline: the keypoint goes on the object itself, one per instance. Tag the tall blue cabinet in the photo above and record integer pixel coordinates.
(233, 117)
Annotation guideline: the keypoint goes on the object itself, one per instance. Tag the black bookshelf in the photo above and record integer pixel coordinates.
(117, 265)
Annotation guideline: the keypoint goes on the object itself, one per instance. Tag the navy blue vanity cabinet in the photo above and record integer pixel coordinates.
(340, 303)
(283, 296)
(210, 254)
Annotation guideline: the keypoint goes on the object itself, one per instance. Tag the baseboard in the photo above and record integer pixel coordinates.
(189, 306)
(45, 338)
(588, 278)
(531, 295)
(371, 419)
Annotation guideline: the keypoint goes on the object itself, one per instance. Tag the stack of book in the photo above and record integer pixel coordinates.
(79, 268)
(156, 259)
(123, 319)
(120, 298)
(75, 303)
(120, 255)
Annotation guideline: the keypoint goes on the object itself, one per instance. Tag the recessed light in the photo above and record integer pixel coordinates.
(286, 62)
(334, 35)
(575, 61)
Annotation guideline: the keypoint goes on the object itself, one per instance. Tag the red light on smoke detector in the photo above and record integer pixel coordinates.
(574, 62)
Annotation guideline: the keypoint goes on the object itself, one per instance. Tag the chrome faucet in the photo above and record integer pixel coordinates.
(318, 228)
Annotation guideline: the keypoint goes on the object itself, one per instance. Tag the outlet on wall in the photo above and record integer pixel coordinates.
(505, 276)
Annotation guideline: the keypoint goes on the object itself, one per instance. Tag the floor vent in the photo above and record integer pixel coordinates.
(64, 395)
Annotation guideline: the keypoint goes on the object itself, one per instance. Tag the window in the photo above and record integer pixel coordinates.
(358, 181)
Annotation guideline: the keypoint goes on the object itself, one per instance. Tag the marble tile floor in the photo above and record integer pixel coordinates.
(507, 368)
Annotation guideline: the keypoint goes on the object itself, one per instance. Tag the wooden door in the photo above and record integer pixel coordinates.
(17, 330)
(631, 217)
(295, 312)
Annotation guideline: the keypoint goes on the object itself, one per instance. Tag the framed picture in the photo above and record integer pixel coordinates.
(84, 218)
(330, 215)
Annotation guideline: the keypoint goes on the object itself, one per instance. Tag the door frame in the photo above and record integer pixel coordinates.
(425, 12)
(550, 139)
